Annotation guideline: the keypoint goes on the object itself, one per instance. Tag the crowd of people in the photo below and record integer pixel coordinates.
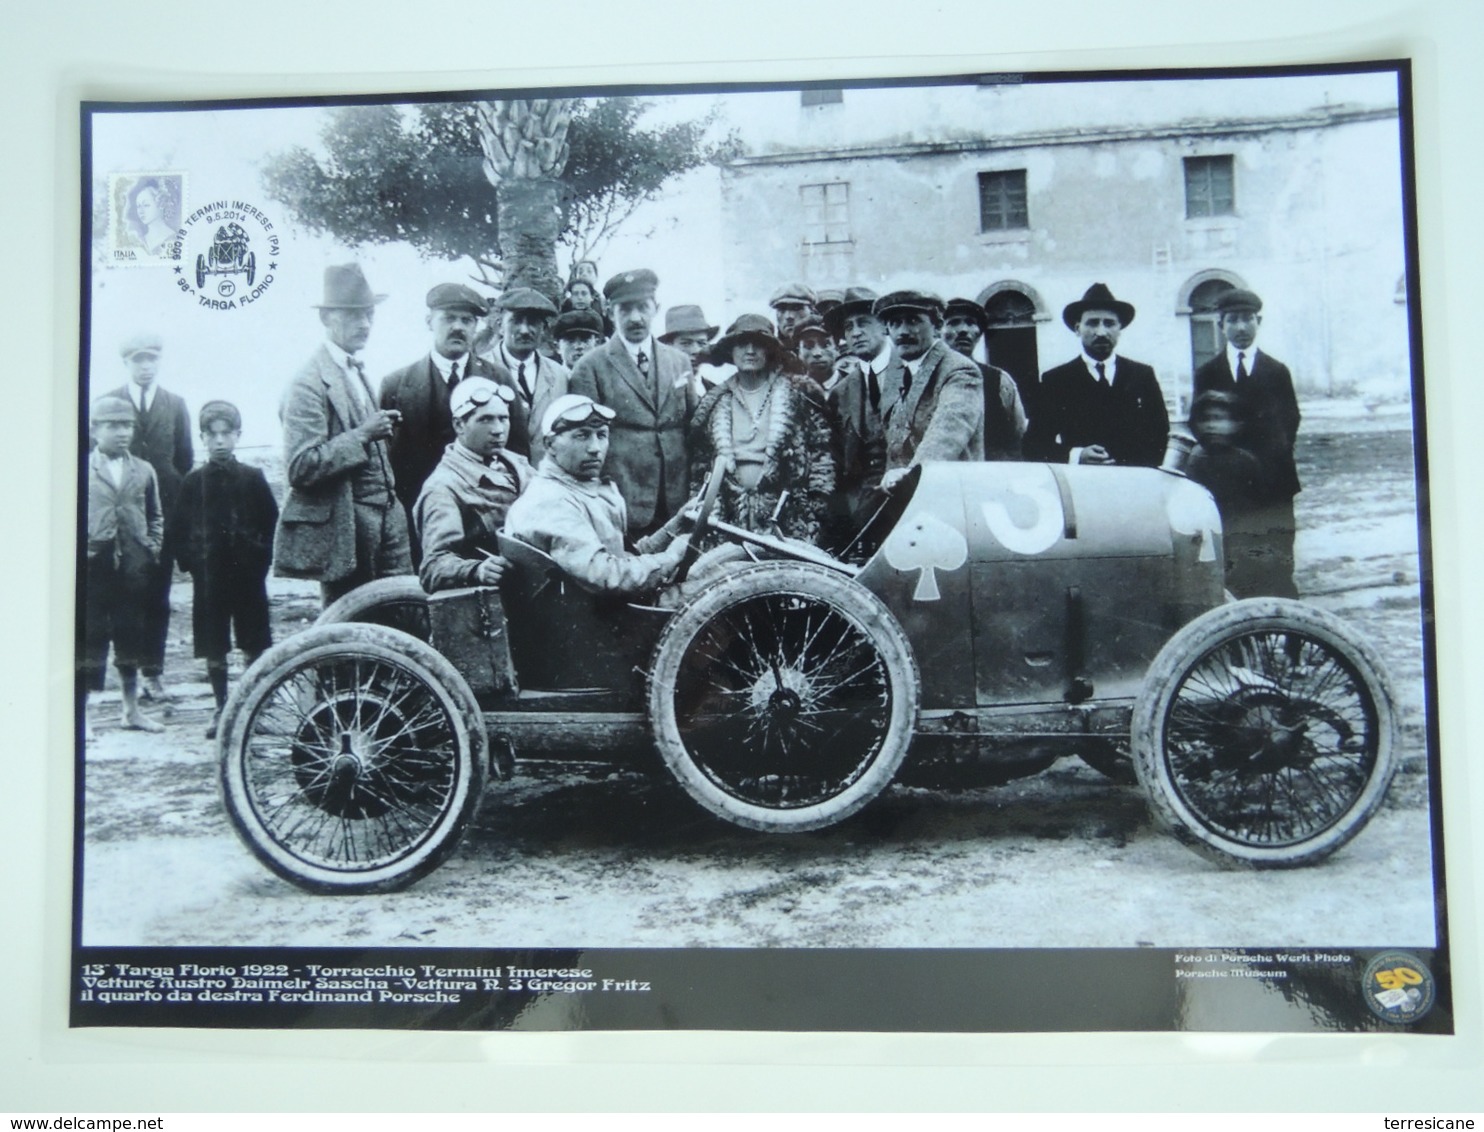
(587, 430)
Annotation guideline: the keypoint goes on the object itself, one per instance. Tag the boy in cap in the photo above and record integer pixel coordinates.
(221, 533)
(688, 331)
(964, 326)
(579, 518)
(577, 333)
(464, 501)
(126, 531)
(162, 437)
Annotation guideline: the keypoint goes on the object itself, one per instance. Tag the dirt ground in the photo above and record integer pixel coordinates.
(565, 857)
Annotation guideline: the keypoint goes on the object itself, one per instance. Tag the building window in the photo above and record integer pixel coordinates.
(826, 213)
(821, 96)
(1208, 187)
(1002, 201)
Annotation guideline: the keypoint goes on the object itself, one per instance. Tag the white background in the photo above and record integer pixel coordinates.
(55, 55)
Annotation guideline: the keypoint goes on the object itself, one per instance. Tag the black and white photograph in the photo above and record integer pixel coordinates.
(651, 558)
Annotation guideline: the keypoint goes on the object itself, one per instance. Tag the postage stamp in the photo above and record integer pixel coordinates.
(144, 212)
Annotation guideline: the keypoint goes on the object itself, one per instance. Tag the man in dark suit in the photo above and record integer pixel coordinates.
(932, 399)
(162, 438)
(342, 522)
(648, 386)
(1246, 416)
(1099, 408)
(964, 324)
(420, 392)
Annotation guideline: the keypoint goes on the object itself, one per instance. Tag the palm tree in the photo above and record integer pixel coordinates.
(525, 153)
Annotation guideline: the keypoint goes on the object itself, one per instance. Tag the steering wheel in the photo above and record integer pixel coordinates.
(702, 523)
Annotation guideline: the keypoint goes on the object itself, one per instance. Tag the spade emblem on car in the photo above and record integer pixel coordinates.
(928, 544)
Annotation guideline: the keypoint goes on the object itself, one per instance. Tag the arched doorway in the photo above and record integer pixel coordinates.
(1013, 309)
(1198, 300)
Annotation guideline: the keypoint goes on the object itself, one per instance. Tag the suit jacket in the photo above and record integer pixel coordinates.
(647, 450)
(125, 520)
(940, 417)
(162, 436)
(223, 522)
(322, 459)
(1269, 412)
(1004, 415)
(420, 394)
(1073, 410)
(549, 383)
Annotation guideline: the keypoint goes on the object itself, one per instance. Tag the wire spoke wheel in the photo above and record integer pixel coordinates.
(1266, 733)
(783, 697)
(398, 602)
(353, 758)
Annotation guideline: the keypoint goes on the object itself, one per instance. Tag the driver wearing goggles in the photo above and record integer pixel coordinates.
(578, 517)
(464, 501)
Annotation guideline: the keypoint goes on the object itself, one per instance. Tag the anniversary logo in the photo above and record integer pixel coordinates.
(920, 540)
(221, 244)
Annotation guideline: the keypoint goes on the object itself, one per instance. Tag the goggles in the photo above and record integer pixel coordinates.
(481, 392)
(576, 412)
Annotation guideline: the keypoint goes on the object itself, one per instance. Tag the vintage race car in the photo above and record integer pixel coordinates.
(228, 255)
(990, 618)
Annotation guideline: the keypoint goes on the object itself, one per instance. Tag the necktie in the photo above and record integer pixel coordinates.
(643, 360)
(1241, 366)
(453, 375)
(520, 376)
(873, 389)
(1103, 375)
(363, 391)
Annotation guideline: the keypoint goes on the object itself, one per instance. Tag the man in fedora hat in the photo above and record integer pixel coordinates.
(648, 386)
(964, 325)
(932, 399)
(1099, 408)
(688, 331)
(420, 392)
(1262, 419)
(342, 522)
(525, 316)
(162, 438)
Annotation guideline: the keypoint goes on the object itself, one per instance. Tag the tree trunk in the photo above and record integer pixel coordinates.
(525, 153)
(529, 226)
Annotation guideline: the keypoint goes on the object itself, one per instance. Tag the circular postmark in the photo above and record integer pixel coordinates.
(228, 253)
(1398, 987)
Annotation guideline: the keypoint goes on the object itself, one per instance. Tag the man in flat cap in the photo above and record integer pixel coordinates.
(1246, 416)
(648, 386)
(162, 438)
(964, 324)
(1101, 407)
(688, 331)
(577, 333)
(342, 522)
(854, 398)
(420, 392)
(464, 501)
(792, 304)
(525, 316)
(932, 399)
(126, 531)
(578, 517)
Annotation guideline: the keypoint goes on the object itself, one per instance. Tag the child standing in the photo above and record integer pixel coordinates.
(221, 533)
(126, 528)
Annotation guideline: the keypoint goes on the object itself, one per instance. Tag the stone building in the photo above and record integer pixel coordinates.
(1022, 195)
